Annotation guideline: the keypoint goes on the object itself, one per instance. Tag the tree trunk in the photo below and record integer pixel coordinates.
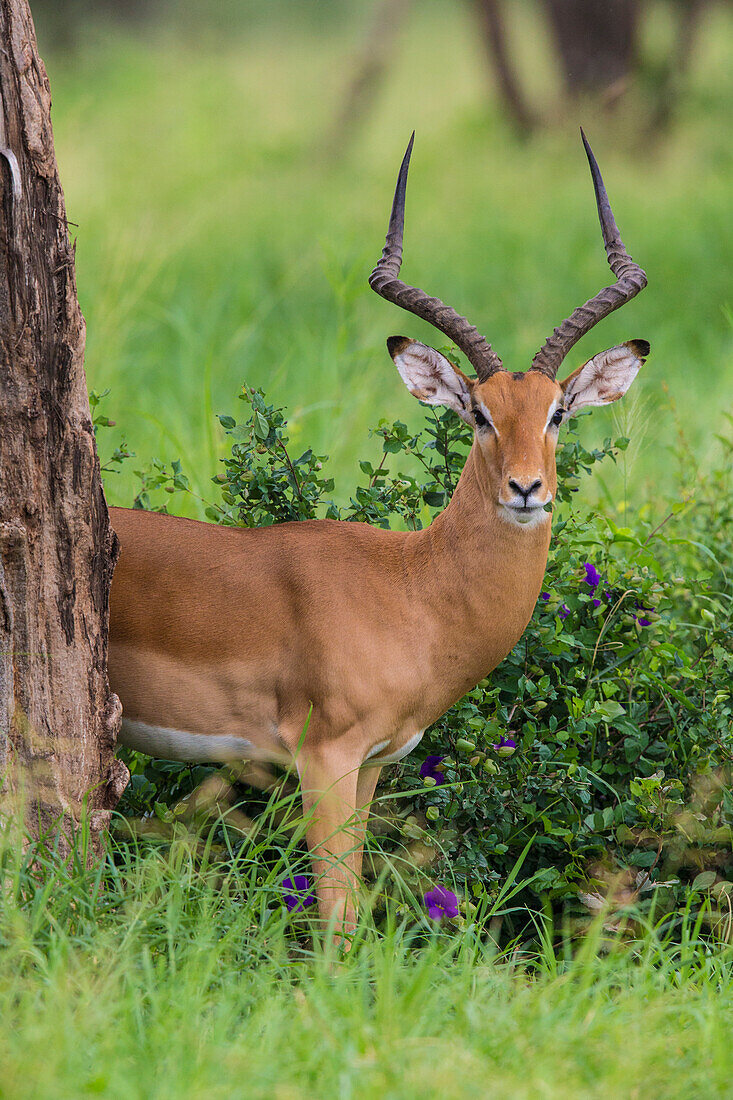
(367, 72)
(671, 80)
(494, 36)
(595, 40)
(58, 720)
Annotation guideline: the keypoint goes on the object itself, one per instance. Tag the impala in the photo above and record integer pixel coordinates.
(223, 641)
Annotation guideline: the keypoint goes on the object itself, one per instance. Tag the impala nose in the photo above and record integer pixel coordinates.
(525, 490)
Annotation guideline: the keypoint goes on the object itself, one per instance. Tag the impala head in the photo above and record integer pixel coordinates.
(516, 416)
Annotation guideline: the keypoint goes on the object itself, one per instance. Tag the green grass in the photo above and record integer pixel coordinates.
(218, 243)
(174, 983)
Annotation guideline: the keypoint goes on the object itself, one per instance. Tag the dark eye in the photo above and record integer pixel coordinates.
(557, 416)
(481, 421)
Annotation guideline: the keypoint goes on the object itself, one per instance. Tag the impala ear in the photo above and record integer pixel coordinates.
(430, 377)
(606, 377)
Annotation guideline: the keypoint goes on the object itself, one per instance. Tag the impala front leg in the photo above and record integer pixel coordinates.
(334, 833)
(366, 785)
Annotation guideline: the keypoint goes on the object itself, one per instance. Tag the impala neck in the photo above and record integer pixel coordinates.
(482, 573)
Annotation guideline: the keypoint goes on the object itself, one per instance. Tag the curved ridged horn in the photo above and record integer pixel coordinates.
(631, 279)
(384, 280)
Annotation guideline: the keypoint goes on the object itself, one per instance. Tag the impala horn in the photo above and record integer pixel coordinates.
(384, 280)
(630, 280)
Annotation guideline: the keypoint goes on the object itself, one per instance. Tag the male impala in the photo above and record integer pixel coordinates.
(223, 640)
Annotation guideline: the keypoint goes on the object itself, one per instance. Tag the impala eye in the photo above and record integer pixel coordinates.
(481, 421)
(557, 416)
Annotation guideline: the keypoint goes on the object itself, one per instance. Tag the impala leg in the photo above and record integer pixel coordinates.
(330, 795)
(365, 787)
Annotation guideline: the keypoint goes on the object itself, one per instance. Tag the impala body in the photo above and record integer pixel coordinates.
(378, 631)
(228, 643)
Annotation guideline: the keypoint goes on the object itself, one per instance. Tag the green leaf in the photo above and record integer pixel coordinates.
(609, 710)
(704, 881)
(261, 426)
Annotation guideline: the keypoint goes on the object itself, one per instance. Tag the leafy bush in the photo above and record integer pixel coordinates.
(601, 743)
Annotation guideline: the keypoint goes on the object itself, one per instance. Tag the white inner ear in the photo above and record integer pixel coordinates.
(431, 378)
(603, 379)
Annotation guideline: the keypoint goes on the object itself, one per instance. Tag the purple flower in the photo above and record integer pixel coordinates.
(440, 903)
(641, 619)
(506, 746)
(592, 576)
(298, 897)
(595, 602)
(430, 769)
(563, 611)
(544, 596)
(608, 595)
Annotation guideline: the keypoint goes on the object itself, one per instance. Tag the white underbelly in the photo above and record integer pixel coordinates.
(375, 759)
(201, 748)
(194, 748)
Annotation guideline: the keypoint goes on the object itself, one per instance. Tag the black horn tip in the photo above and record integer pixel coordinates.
(594, 169)
(396, 344)
(640, 348)
(406, 159)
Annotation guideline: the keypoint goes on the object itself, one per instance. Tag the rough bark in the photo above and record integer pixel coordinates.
(58, 720)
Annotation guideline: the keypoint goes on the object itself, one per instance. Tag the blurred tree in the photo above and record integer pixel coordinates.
(595, 41)
(491, 21)
(670, 82)
(61, 22)
(58, 720)
(597, 45)
(369, 67)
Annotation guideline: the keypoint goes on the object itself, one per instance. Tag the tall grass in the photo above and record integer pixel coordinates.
(151, 976)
